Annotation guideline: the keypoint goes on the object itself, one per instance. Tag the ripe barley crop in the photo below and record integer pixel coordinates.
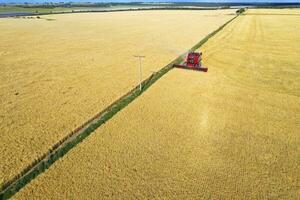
(231, 133)
(56, 74)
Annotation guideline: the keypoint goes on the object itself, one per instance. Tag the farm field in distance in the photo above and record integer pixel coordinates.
(231, 133)
(58, 9)
(60, 70)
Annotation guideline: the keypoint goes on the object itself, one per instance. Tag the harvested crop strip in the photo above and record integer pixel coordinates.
(199, 135)
(57, 74)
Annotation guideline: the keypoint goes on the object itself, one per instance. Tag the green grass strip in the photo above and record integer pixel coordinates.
(79, 134)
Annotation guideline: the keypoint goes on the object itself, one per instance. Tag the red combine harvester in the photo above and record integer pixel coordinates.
(192, 62)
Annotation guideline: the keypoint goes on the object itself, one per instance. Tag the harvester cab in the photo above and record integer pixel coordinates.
(192, 62)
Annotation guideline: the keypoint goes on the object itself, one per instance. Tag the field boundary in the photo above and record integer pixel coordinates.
(24, 14)
(62, 147)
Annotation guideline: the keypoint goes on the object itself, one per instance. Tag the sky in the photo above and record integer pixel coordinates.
(239, 1)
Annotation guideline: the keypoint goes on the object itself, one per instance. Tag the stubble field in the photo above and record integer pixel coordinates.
(58, 71)
(231, 133)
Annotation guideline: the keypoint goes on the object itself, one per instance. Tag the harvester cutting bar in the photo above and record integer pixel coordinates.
(191, 68)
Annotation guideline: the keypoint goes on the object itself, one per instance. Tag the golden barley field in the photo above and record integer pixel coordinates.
(58, 71)
(231, 133)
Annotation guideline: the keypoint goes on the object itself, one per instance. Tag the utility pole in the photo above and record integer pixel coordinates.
(140, 68)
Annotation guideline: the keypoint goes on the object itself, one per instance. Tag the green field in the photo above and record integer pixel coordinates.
(15, 9)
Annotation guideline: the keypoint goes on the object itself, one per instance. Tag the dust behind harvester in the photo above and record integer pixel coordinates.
(192, 62)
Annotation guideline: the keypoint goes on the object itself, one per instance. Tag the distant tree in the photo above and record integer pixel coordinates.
(240, 11)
